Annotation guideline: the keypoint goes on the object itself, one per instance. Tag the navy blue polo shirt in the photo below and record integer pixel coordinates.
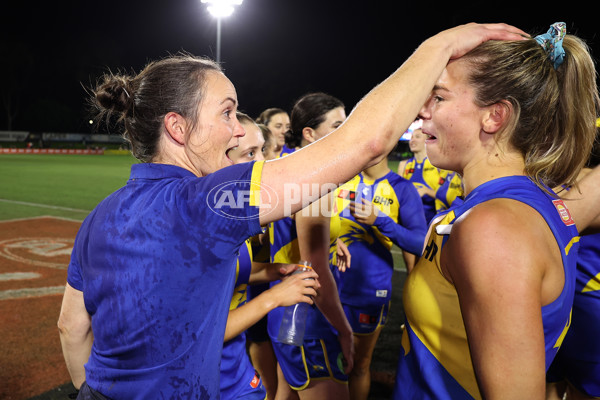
(156, 263)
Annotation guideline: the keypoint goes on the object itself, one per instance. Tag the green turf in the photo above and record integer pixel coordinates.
(393, 164)
(60, 185)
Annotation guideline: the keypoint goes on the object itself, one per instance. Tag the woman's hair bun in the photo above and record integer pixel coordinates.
(114, 94)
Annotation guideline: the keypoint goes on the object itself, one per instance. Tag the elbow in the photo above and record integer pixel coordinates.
(71, 330)
(63, 327)
(376, 149)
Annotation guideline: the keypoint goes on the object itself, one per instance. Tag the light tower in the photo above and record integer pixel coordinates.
(220, 9)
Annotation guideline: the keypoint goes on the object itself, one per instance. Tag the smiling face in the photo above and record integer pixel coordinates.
(250, 146)
(279, 124)
(417, 141)
(217, 129)
(452, 123)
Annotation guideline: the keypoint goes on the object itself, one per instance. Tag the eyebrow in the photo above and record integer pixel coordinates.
(439, 87)
(234, 101)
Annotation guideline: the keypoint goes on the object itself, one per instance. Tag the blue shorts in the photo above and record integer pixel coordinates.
(317, 359)
(365, 320)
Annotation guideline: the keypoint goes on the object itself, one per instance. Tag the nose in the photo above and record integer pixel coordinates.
(238, 130)
(425, 112)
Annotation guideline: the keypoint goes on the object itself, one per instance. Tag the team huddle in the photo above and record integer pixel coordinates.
(174, 290)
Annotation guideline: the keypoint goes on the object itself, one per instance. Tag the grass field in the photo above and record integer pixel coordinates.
(67, 186)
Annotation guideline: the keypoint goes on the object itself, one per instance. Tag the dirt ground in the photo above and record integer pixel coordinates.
(34, 255)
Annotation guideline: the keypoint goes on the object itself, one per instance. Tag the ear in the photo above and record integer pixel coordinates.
(175, 126)
(496, 117)
(308, 134)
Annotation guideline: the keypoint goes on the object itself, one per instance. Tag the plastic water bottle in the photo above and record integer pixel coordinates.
(293, 323)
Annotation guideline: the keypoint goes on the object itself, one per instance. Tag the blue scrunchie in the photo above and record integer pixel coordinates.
(551, 42)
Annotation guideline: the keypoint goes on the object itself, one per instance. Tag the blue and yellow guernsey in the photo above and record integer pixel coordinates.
(588, 266)
(578, 359)
(450, 193)
(285, 150)
(284, 249)
(423, 174)
(238, 376)
(435, 361)
(400, 221)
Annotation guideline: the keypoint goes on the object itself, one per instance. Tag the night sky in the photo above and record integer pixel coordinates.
(274, 51)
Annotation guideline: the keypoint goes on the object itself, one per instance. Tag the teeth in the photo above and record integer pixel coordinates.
(228, 150)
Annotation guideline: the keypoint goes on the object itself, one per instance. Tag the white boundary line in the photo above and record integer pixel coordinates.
(51, 207)
(12, 294)
(40, 217)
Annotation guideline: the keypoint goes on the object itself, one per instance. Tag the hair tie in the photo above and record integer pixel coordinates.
(552, 41)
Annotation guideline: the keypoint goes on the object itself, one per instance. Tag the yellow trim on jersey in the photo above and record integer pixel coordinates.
(239, 292)
(564, 332)
(239, 296)
(593, 284)
(288, 254)
(255, 180)
(571, 243)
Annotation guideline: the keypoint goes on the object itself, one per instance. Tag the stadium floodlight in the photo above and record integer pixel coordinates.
(220, 9)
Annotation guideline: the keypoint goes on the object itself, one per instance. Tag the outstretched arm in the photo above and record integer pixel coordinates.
(374, 126)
